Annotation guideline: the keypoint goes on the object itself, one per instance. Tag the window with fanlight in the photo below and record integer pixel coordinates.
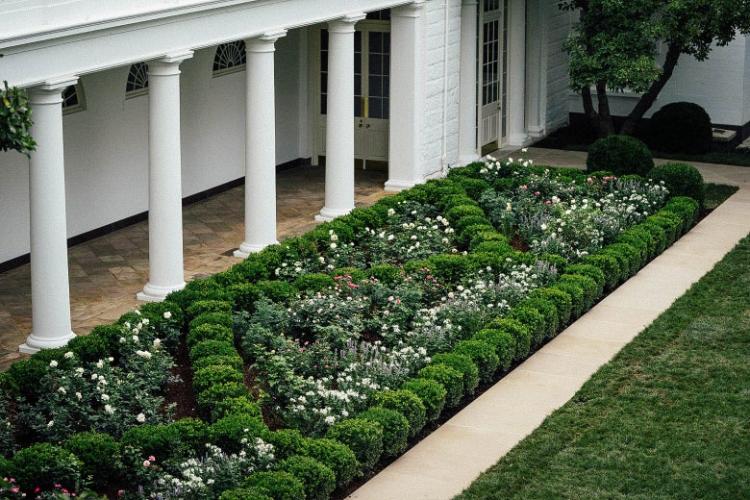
(73, 100)
(137, 83)
(229, 58)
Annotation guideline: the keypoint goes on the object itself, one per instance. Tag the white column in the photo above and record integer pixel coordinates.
(407, 97)
(260, 145)
(165, 179)
(467, 138)
(339, 195)
(50, 292)
(517, 135)
(536, 74)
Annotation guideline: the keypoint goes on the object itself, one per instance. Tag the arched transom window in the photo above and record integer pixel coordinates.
(137, 80)
(230, 57)
(73, 99)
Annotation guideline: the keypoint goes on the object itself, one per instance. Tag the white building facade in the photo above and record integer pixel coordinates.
(140, 104)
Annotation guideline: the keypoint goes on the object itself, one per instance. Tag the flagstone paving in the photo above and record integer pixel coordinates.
(449, 459)
(107, 272)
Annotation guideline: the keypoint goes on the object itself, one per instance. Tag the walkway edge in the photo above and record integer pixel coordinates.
(448, 460)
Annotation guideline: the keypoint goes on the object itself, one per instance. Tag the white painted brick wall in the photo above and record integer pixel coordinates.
(437, 34)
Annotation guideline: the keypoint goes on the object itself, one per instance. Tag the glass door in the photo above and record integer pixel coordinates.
(492, 34)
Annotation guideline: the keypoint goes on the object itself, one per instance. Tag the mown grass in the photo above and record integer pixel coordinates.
(669, 417)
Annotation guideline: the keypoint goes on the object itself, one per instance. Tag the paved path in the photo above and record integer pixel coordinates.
(449, 459)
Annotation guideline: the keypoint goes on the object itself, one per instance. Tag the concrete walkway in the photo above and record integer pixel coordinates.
(449, 459)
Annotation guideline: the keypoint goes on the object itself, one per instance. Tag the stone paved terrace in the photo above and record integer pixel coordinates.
(449, 459)
(107, 272)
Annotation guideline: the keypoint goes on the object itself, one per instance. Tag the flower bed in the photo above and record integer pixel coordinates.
(315, 359)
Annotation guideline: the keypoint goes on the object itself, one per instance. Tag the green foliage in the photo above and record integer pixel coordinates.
(503, 343)
(395, 428)
(212, 401)
(15, 121)
(388, 274)
(406, 403)
(278, 485)
(482, 354)
(212, 348)
(680, 179)
(337, 456)
(363, 437)
(159, 440)
(621, 155)
(532, 319)
(208, 306)
(228, 432)
(286, 442)
(462, 364)
(209, 332)
(680, 127)
(450, 378)
(313, 282)
(518, 331)
(99, 455)
(235, 361)
(245, 494)
(45, 465)
(234, 400)
(212, 318)
(430, 392)
(318, 480)
(685, 208)
(213, 375)
(609, 265)
(548, 310)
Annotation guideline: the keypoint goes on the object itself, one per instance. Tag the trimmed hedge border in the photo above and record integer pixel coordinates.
(203, 311)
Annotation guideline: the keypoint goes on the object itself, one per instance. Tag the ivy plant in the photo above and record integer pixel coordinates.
(15, 121)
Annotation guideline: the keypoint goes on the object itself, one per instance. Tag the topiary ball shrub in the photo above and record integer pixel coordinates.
(482, 354)
(99, 455)
(406, 403)
(245, 494)
(503, 343)
(286, 442)
(363, 437)
(680, 179)
(621, 155)
(681, 127)
(450, 378)
(45, 465)
(228, 433)
(278, 485)
(209, 376)
(395, 428)
(432, 394)
(318, 480)
(464, 365)
(337, 456)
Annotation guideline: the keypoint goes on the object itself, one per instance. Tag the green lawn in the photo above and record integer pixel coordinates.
(669, 417)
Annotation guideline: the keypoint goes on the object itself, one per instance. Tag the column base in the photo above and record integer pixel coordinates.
(328, 214)
(519, 140)
(249, 248)
(395, 186)
(35, 344)
(155, 293)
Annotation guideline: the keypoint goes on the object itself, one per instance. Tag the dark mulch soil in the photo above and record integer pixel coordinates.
(180, 389)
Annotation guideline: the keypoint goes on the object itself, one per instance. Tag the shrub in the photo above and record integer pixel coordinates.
(395, 428)
(518, 331)
(471, 220)
(639, 239)
(160, 440)
(681, 127)
(548, 311)
(464, 365)
(388, 274)
(235, 361)
(337, 456)
(503, 343)
(609, 265)
(680, 179)
(685, 208)
(244, 296)
(99, 455)
(209, 376)
(245, 494)
(286, 442)
(562, 301)
(450, 378)
(89, 348)
(431, 393)
(588, 285)
(208, 306)
(210, 400)
(192, 435)
(406, 403)
(460, 211)
(45, 465)
(592, 272)
(318, 480)
(621, 155)
(228, 432)
(669, 222)
(314, 282)
(532, 319)
(482, 354)
(212, 348)
(278, 485)
(658, 234)
(577, 297)
(212, 318)
(631, 258)
(242, 403)
(363, 437)
(448, 268)
(209, 332)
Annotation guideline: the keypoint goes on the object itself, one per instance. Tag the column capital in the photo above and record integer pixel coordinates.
(168, 64)
(50, 91)
(264, 42)
(412, 9)
(346, 23)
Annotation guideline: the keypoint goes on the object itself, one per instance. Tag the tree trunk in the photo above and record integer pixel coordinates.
(588, 108)
(647, 100)
(606, 124)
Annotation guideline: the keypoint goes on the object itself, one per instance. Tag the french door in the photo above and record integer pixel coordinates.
(372, 62)
(493, 37)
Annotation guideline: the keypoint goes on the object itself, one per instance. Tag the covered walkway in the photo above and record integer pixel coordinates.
(106, 272)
